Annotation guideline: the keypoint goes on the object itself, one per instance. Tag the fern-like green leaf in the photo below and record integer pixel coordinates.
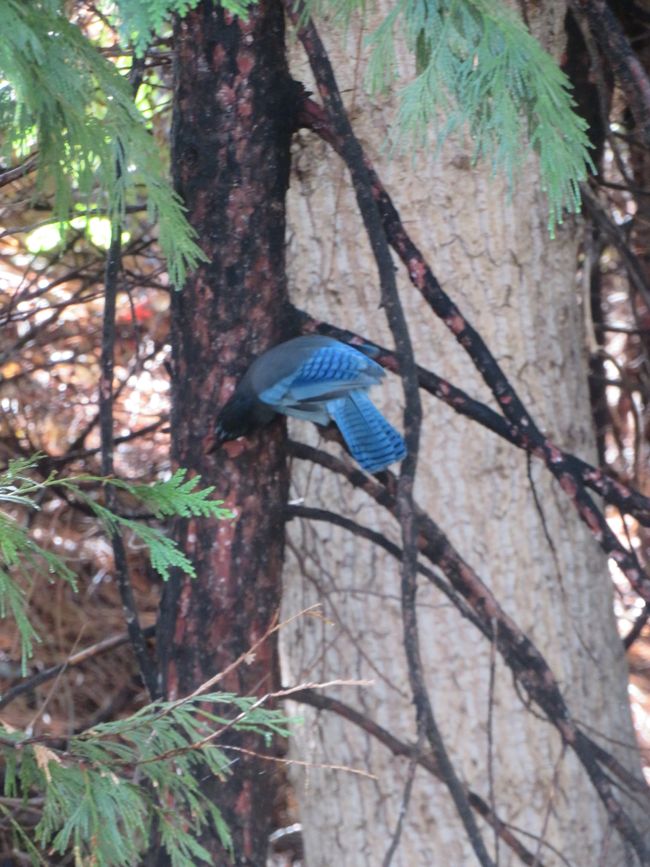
(178, 496)
(21, 557)
(165, 554)
(479, 72)
(92, 802)
(60, 97)
(141, 20)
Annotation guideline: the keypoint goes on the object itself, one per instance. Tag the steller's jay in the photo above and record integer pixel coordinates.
(321, 380)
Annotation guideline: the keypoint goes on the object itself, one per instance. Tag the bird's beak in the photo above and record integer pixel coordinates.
(217, 441)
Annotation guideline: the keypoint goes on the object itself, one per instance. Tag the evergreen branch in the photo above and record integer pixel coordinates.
(478, 71)
(140, 21)
(21, 837)
(103, 794)
(21, 558)
(163, 552)
(13, 600)
(163, 499)
(177, 496)
(63, 99)
(506, 89)
(113, 268)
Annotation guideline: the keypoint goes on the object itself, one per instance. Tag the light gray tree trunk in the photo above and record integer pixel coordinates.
(494, 256)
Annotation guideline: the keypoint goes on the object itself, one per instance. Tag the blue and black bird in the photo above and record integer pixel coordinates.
(321, 380)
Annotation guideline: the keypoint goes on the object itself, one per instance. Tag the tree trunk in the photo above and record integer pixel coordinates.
(233, 116)
(494, 256)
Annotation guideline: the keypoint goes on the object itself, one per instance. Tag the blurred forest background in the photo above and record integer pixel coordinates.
(51, 322)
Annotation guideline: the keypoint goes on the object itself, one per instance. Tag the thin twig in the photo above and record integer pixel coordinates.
(530, 669)
(313, 514)
(633, 265)
(241, 717)
(630, 501)
(624, 63)
(424, 280)
(353, 157)
(637, 627)
(144, 658)
(554, 785)
(75, 659)
(8, 176)
(490, 736)
(424, 760)
(113, 266)
(406, 799)
(323, 766)
(41, 709)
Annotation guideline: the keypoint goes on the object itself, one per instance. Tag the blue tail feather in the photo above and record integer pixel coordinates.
(372, 441)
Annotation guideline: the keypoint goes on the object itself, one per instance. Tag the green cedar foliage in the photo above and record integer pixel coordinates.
(21, 557)
(61, 98)
(112, 786)
(141, 20)
(116, 782)
(478, 70)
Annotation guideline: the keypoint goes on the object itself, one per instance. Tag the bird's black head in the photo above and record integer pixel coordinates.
(239, 417)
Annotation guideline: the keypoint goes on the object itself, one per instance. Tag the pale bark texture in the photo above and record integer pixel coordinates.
(494, 256)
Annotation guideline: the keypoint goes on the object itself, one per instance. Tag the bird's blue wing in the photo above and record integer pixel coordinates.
(372, 441)
(328, 372)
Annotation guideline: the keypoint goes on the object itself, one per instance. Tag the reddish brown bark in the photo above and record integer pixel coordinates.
(233, 118)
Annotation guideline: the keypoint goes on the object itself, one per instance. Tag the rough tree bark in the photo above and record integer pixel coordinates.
(517, 286)
(234, 104)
